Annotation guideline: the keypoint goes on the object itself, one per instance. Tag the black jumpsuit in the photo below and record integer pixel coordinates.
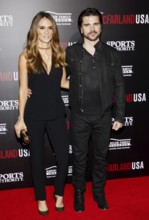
(45, 111)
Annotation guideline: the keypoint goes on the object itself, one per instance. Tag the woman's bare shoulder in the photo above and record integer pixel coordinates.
(22, 57)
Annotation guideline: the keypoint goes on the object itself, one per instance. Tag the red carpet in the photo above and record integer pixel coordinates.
(128, 200)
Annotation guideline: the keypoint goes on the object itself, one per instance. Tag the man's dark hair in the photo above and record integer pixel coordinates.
(89, 12)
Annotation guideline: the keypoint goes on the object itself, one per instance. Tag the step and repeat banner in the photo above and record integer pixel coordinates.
(126, 28)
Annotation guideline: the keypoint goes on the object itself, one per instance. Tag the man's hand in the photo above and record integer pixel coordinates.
(29, 93)
(117, 125)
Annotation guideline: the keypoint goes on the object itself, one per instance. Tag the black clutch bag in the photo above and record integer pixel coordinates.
(24, 138)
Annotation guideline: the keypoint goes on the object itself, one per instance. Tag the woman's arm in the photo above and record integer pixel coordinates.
(64, 80)
(23, 90)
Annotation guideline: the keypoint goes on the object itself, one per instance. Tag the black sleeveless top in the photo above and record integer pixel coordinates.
(45, 102)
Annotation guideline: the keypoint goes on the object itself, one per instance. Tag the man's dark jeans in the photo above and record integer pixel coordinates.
(82, 128)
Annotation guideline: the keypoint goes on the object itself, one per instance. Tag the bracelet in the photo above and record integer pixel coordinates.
(19, 118)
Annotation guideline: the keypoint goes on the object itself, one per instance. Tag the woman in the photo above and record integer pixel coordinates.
(42, 69)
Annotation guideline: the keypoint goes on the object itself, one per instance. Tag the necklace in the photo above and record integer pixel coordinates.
(44, 48)
(46, 55)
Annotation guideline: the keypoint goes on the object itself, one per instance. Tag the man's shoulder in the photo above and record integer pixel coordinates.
(74, 47)
(111, 52)
(108, 47)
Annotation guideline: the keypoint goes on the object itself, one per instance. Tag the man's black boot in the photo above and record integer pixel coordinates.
(79, 200)
(101, 202)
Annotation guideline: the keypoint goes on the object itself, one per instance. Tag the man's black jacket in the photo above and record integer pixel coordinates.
(111, 82)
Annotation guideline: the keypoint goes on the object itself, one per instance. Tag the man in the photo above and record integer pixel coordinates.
(95, 81)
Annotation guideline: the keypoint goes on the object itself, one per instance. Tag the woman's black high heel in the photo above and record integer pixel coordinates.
(44, 213)
(59, 209)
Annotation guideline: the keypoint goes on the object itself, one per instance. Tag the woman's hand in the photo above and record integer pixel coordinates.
(20, 124)
(29, 93)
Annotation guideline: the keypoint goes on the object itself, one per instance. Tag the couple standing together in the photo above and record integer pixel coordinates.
(95, 78)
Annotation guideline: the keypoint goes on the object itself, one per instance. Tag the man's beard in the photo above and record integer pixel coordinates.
(90, 38)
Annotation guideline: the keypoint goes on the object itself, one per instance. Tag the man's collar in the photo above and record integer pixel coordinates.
(98, 45)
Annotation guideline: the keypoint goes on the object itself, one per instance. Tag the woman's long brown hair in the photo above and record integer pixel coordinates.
(34, 60)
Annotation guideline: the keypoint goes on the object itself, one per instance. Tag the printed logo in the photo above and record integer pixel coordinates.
(23, 153)
(8, 76)
(138, 165)
(64, 45)
(6, 20)
(119, 144)
(70, 149)
(14, 153)
(70, 171)
(136, 97)
(142, 18)
(3, 128)
(128, 121)
(11, 177)
(126, 19)
(61, 18)
(122, 45)
(65, 100)
(52, 171)
(8, 105)
(127, 70)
